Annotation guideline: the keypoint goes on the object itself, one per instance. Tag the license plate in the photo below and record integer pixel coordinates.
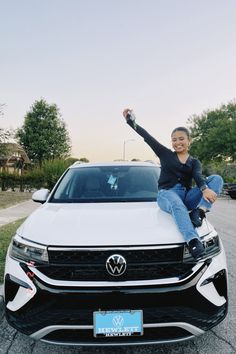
(118, 323)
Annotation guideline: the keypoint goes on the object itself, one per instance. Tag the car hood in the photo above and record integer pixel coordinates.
(102, 224)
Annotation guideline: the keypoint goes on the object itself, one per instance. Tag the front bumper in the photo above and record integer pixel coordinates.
(62, 312)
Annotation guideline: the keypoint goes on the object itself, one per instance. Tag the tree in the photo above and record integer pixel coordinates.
(214, 134)
(44, 135)
(83, 159)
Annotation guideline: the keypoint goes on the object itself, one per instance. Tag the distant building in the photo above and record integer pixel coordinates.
(14, 159)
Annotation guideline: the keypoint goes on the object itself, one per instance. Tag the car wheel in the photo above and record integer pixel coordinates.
(232, 194)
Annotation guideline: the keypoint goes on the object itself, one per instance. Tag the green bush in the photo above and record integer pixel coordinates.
(226, 170)
(52, 170)
(36, 178)
(28, 181)
(229, 173)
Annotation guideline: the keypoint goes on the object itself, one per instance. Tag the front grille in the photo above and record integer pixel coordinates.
(86, 336)
(34, 319)
(90, 265)
(93, 256)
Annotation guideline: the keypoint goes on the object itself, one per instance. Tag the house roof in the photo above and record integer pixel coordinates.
(14, 150)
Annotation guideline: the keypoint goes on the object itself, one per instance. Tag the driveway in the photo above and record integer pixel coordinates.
(16, 212)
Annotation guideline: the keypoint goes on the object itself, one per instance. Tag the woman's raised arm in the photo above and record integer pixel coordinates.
(149, 139)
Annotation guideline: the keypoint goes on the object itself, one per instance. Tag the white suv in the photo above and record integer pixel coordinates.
(100, 264)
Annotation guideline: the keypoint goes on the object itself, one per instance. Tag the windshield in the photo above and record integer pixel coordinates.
(107, 184)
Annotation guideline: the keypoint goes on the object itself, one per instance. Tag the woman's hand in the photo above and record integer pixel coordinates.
(126, 112)
(209, 195)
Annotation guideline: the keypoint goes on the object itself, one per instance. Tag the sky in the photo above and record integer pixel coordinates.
(166, 59)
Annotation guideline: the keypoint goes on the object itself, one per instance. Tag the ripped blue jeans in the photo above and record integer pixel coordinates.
(178, 201)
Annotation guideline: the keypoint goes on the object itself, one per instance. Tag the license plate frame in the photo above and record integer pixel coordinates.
(122, 323)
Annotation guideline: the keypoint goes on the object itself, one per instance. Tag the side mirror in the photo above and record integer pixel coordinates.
(40, 196)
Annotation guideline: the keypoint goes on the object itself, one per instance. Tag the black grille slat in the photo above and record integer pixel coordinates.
(99, 256)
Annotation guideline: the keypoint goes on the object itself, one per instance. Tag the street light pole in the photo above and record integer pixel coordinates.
(125, 141)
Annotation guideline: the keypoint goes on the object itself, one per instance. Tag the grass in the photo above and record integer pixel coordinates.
(6, 233)
(9, 198)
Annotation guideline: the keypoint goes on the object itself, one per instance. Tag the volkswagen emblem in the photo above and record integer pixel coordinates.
(116, 265)
(118, 321)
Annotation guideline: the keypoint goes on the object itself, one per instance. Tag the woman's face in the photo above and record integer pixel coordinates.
(180, 141)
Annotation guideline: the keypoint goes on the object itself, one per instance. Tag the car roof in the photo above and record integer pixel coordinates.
(79, 164)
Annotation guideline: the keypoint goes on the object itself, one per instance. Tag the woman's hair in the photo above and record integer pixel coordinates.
(182, 129)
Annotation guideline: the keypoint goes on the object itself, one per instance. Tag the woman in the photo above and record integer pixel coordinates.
(176, 195)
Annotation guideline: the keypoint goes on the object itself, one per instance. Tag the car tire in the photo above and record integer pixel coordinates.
(232, 194)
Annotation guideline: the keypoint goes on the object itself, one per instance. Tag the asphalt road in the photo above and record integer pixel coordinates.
(221, 339)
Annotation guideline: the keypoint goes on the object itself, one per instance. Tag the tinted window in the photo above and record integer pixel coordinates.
(108, 184)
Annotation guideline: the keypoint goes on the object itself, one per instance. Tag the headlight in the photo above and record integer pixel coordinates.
(211, 243)
(28, 251)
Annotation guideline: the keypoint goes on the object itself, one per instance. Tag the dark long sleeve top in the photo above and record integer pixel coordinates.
(173, 171)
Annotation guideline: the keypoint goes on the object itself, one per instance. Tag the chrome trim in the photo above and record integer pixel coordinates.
(49, 329)
(86, 344)
(187, 326)
(195, 331)
(114, 248)
(98, 284)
